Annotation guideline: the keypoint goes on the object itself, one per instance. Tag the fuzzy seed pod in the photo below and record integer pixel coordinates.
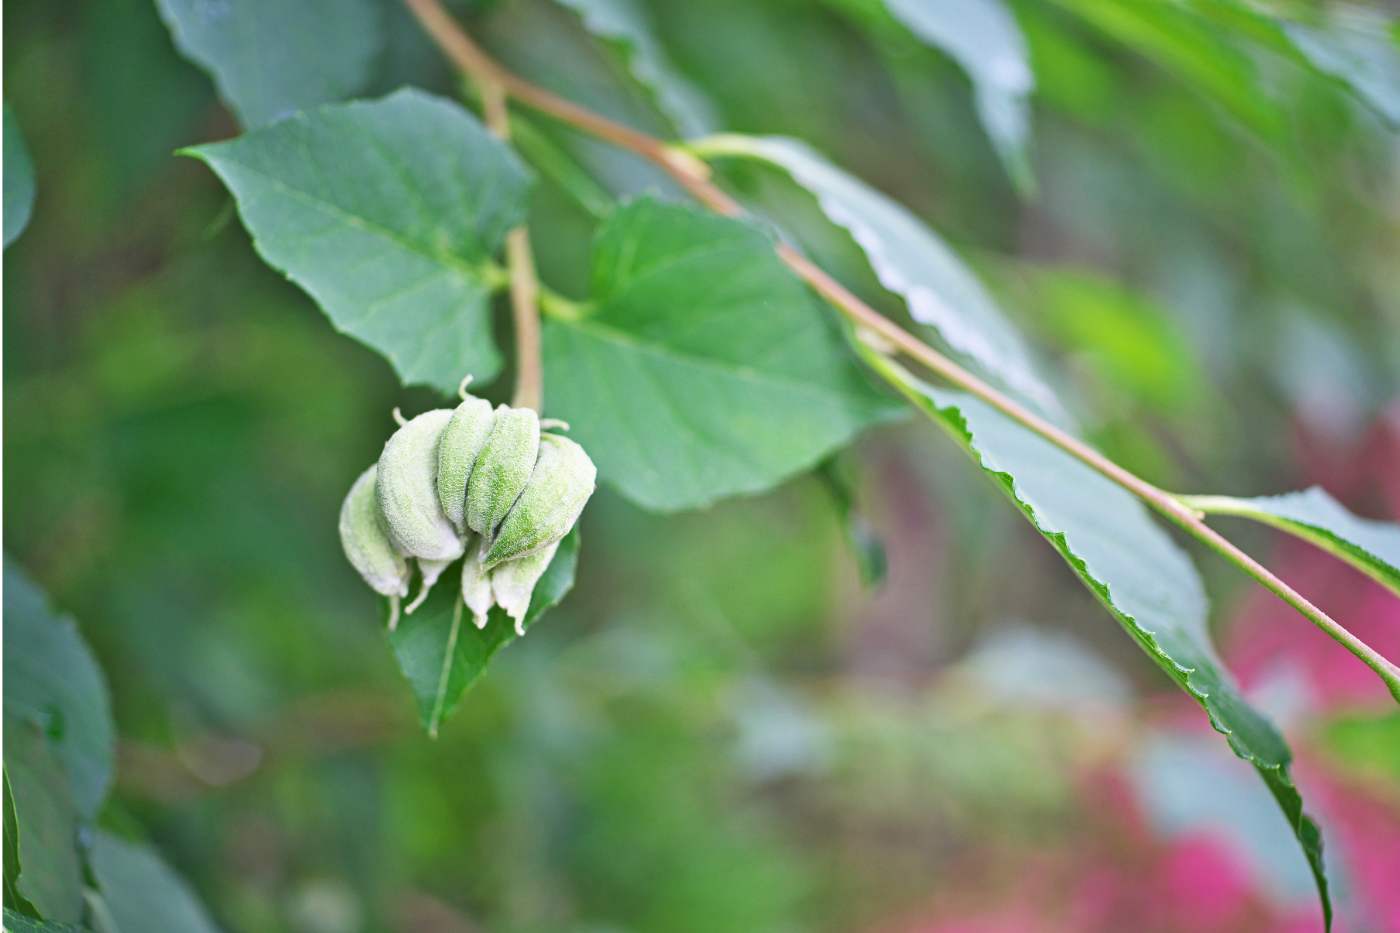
(476, 585)
(366, 543)
(407, 485)
(503, 468)
(462, 441)
(513, 582)
(559, 487)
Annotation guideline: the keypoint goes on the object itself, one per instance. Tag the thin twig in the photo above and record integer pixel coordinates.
(520, 263)
(693, 175)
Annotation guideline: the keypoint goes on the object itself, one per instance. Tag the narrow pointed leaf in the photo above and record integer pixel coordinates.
(704, 368)
(1372, 547)
(1126, 560)
(442, 653)
(388, 213)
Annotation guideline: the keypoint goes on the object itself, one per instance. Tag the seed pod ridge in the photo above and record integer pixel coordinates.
(503, 468)
(560, 485)
(407, 490)
(366, 544)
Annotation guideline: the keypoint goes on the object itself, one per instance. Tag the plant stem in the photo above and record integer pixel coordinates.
(694, 176)
(520, 262)
(1385, 669)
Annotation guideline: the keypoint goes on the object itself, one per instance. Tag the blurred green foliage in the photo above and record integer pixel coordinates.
(686, 743)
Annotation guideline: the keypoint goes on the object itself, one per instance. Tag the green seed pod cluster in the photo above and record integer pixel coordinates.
(475, 481)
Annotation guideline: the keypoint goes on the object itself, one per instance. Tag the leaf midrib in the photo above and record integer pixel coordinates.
(211, 155)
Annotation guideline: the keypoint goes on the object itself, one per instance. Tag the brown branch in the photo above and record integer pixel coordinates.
(520, 264)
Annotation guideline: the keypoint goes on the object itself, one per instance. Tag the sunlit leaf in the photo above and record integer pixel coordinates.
(1126, 560)
(442, 653)
(1372, 547)
(270, 58)
(388, 213)
(703, 367)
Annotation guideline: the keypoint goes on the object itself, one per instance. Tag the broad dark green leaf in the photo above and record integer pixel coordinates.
(19, 179)
(46, 822)
(703, 367)
(623, 25)
(983, 38)
(1144, 580)
(270, 58)
(442, 653)
(388, 213)
(1372, 547)
(16, 922)
(142, 894)
(52, 680)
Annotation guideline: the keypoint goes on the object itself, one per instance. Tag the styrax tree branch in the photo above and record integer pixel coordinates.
(694, 176)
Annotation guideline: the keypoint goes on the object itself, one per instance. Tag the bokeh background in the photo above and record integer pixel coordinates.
(727, 726)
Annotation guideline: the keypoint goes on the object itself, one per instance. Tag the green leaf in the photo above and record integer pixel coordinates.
(866, 547)
(143, 100)
(1136, 347)
(46, 822)
(909, 259)
(704, 367)
(442, 653)
(19, 179)
(1370, 546)
(52, 680)
(1365, 744)
(387, 213)
(1352, 45)
(623, 25)
(142, 894)
(983, 38)
(270, 58)
(16, 922)
(1144, 580)
(1197, 51)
